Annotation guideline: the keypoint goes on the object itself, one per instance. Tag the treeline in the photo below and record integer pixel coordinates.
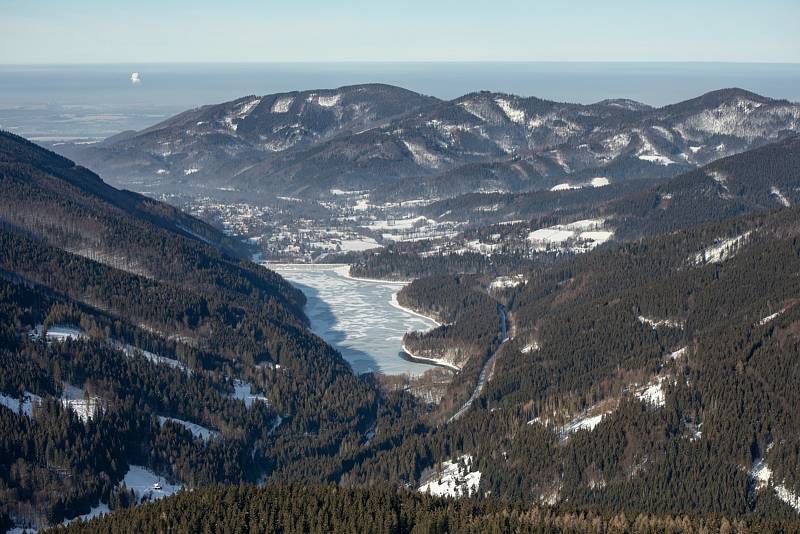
(323, 509)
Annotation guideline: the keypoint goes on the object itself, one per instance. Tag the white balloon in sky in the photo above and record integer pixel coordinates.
(135, 79)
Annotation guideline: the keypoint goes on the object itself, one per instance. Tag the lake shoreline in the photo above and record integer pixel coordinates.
(362, 318)
(434, 361)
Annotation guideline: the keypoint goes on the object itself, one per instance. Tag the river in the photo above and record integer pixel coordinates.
(360, 318)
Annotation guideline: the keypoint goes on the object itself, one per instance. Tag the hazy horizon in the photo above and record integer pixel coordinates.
(60, 102)
(247, 30)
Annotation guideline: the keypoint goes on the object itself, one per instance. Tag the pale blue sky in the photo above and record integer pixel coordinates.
(109, 31)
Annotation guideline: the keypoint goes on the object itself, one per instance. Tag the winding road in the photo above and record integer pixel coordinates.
(488, 364)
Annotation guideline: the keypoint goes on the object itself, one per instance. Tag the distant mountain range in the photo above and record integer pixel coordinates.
(399, 144)
(758, 180)
(651, 376)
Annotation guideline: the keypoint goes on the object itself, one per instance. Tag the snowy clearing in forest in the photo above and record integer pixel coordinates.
(143, 482)
(453, 479)
(243, 391)
(721, 251)
(13, 403)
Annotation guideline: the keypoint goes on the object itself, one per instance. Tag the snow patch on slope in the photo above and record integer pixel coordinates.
(244, 392)
(656, 323)
(75, 399)
(57, 333)
(647, 152)
(197, 431)
(328, 101)
(530, 347)
(513, 114)
(453, 479)
(720, 252)
(781, 197)
(582, 422)
(282, 105)
(762, 475)
(502, 282)
(13, 403)
(652, 393)
(132, 351)
(144, 482)
(421, 155)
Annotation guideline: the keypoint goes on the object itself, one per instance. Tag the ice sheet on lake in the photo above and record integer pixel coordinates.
(358, 319)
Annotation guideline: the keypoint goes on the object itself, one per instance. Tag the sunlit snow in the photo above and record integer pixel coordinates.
(143, 483)
(13, 403)
(721, 251)
(244, 392)
(452, 479)
(282, 105)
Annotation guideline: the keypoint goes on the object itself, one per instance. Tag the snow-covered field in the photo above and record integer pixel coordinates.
(96, 511)
(75, 399)
(503, 282)
(244, 392)
(652, 393)
(142, 481)
(13, 403)
(577, 236)
(146, 485)
(598, 181)
(58, 332)
(452, 479)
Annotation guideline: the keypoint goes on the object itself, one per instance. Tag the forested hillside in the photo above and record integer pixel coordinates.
(398, 145)
(647, 382)
(656, 376)
(176, 355)
(314, 509)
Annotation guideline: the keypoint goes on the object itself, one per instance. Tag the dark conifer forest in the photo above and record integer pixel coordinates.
(646, 385)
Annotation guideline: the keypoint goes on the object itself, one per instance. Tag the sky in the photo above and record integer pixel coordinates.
(122, 31)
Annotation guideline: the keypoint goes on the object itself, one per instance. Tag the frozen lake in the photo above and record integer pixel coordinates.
(357, 317)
